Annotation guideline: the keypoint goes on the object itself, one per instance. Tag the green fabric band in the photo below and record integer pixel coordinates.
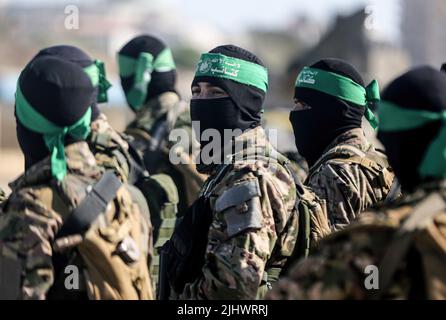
(128, 65)
(394, 118)
(53, 135)
(238, 70)
(341, 87)
(141, 69)
(96, 72)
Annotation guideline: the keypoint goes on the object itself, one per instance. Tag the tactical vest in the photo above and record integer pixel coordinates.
(185, 252)
(159, 190)
(272, 274)
(371, 160)
(113, 248)
(162, 199)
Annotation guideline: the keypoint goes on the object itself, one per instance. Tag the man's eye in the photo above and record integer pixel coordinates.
(217, 92)
(195, 92)
(299, 105)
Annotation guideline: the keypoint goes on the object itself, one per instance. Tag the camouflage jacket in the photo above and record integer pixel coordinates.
(110, 148)
(112, 152)
(35, 212)
(342, 267)
(167, 108)
(298, 164)
(254, 225)
(349, 178)
(150, 132)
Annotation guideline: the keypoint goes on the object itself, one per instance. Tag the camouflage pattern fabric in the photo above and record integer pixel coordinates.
(110, 148)
(337, 269)
(35, 212)
(254, 225)
(298, 164)
(347, 184)
(169, 111)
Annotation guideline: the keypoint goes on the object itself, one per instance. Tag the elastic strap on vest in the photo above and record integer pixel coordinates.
(350, 154)
(94, 204)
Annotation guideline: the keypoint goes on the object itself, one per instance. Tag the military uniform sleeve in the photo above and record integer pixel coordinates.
(249, 218)
(27, 229)
(314, 212)
(342, 189)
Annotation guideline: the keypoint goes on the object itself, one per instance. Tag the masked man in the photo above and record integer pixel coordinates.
(65, 211)
(398, 251)
(235, 239)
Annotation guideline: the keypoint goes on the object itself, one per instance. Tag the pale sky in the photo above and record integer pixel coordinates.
(234, 15)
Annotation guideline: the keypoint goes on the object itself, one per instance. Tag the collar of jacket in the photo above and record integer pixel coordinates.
(254, 144)
(80, 161)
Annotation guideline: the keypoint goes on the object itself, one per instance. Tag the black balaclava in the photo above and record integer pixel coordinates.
(423, 88)
(328, 116)
(241, 110)
(73, 54)
(160, 81)
(61, 92)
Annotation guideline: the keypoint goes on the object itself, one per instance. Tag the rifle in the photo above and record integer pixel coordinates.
(154, 153)
(163, 280)
(183, 256)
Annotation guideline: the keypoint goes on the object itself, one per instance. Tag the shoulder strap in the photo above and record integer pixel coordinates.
(94, 203)
(423, 213)
(338, 153)
(369, 160)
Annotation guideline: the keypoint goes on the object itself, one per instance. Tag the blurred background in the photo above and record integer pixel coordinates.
(382, 38)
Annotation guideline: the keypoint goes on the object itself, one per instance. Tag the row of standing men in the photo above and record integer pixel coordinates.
(229, 228)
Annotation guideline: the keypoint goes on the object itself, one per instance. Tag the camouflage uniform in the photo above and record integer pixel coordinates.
(349, 178)
(337, 269)
(111, 150)
(298, 164)
(35, 212)
(151, 127)
(254, 224)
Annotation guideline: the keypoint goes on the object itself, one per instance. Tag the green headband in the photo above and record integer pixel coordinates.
(141, 69)
(341, 87)
(96, 72)
(394, 118)
(53, 135)
(238, 70)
